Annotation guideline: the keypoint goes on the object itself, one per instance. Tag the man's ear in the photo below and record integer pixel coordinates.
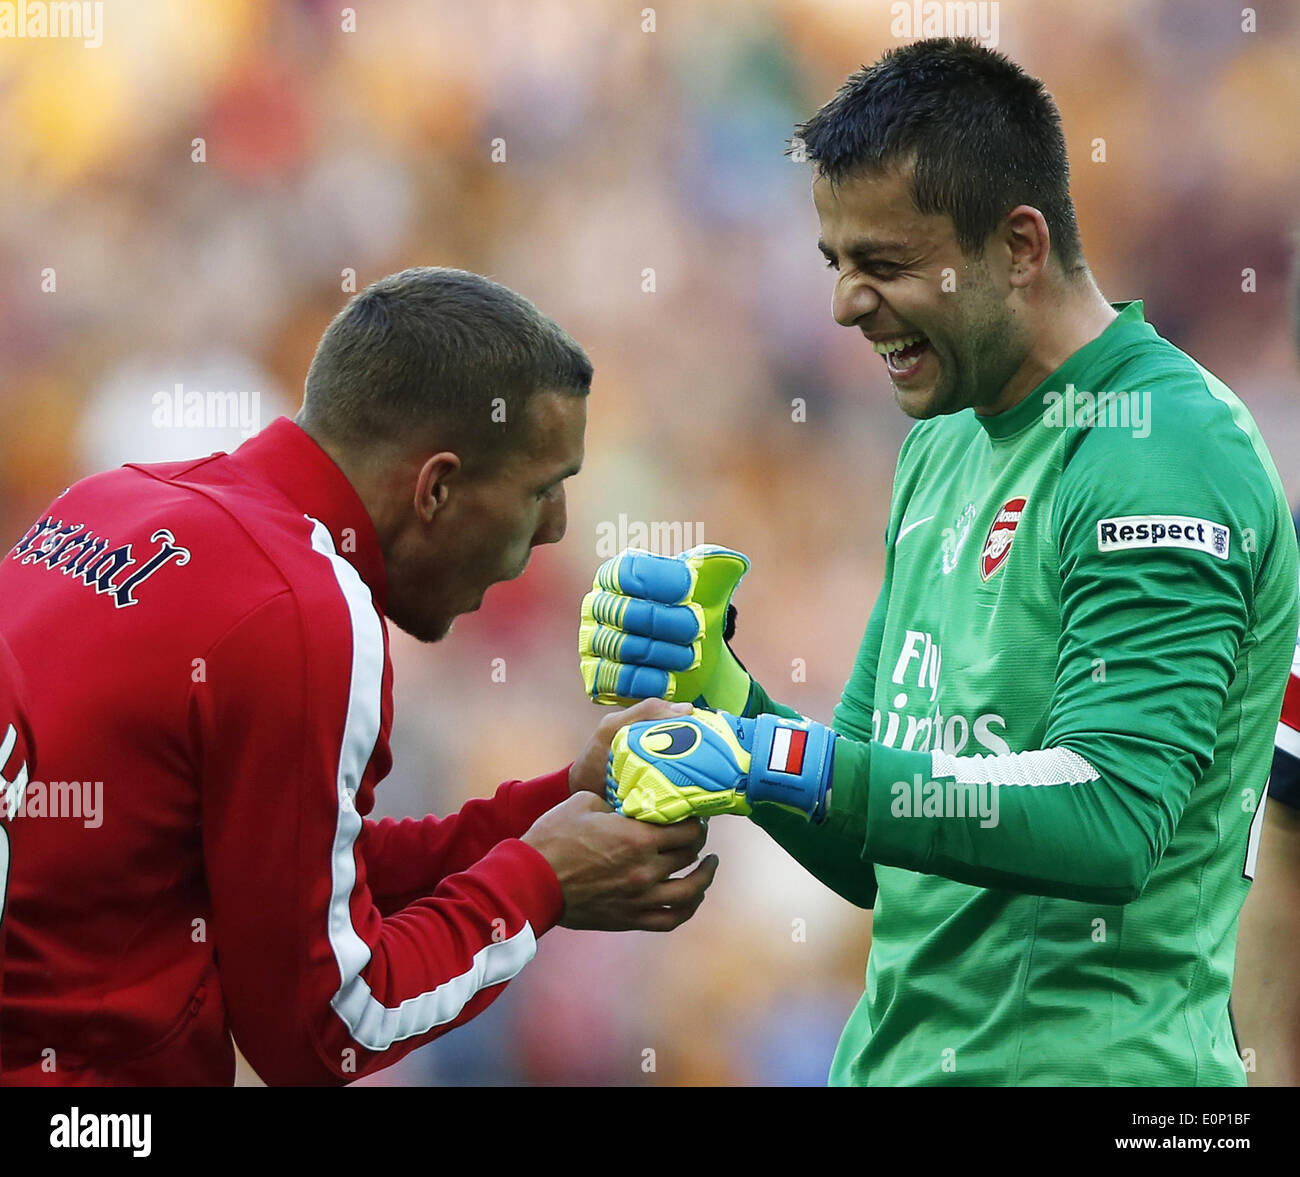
(432, 484)
(1028, 244)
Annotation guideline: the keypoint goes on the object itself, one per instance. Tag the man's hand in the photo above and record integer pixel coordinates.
(711, 762)
(614, 872)
(658, 625)
(588, 771)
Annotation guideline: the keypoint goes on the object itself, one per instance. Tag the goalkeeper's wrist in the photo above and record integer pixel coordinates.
(761, 703)
(791, 765)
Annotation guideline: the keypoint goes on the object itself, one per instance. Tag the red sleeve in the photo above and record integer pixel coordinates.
(17, 745)
(17, 766)
(321, 987)
(409, 858)
(1284, 781)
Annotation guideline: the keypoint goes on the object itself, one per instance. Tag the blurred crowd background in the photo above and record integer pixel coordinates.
(563, 148)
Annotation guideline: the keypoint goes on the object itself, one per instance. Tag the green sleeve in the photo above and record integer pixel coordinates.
(833, 851)
(1149, 640)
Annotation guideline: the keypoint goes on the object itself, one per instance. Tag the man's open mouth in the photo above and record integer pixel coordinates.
(903, 354)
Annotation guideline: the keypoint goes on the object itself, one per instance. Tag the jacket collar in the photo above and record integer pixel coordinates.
(287, 458)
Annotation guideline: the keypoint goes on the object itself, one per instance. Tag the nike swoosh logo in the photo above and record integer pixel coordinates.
(912, 527)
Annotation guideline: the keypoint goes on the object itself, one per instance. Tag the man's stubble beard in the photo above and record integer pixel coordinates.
(999, 345)
(413, 620)
(427, 632)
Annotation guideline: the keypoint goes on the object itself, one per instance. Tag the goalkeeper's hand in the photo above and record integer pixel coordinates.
(709, 762)
(657, 626)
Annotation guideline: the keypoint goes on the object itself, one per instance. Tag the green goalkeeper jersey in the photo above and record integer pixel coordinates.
(1059, 729)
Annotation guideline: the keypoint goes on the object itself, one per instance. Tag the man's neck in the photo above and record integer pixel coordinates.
(1067, 325)
(369, 483)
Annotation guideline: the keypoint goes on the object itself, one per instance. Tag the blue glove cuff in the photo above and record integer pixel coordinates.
(791, 764)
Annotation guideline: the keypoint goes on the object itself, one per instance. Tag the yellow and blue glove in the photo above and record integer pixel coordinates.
(665, 770)
(657, 627)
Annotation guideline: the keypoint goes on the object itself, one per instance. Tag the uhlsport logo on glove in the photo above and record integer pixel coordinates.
(671, 741)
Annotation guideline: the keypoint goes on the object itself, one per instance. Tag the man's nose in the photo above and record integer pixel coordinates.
(854, 297)
(554, 523)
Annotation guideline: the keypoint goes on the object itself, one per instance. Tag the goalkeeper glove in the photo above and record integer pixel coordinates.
(657, 626)
(665, 770)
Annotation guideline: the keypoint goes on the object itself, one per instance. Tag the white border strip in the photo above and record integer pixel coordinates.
(372, 1024)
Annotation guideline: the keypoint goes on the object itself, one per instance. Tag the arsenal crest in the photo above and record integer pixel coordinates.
(997, 544)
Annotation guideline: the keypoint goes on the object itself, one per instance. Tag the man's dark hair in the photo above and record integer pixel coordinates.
(982, 137)
(440, 353)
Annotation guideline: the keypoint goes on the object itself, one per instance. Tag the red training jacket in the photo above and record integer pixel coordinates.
(208, 679)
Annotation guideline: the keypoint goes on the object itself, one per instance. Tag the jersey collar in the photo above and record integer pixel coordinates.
(1128, 326)
(285, 456)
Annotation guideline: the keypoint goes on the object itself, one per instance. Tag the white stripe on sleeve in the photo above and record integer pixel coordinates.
(1049, 766)
(372, 1024)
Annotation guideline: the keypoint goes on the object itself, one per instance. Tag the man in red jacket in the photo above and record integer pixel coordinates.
(208, 640)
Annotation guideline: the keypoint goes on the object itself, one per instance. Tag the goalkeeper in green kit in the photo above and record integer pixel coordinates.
(1043, 774)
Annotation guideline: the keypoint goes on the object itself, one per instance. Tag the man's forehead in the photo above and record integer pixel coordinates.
(557, 425)
(868, 185)
(556, 412)
(873, 212)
